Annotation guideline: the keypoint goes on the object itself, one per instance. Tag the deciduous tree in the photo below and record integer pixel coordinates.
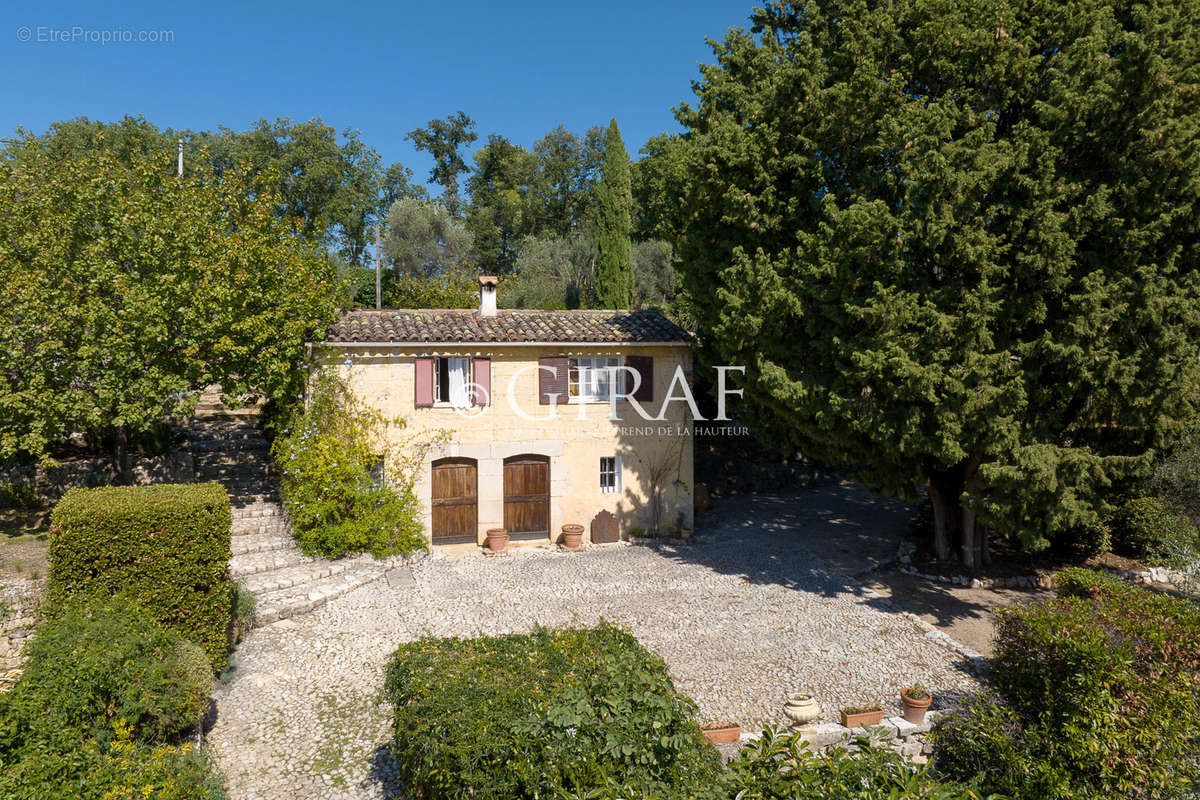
(443, 139)
(123, 288)
(424, 239)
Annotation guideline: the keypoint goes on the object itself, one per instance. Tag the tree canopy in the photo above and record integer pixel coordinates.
(424, 239)
(125, 287)
(955, 241)
(443, 139)
(332, 187)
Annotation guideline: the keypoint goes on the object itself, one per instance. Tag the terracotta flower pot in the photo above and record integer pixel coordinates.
(861, 717)
(914, 707)
(722, 732)
(496, 539)
(572, 537)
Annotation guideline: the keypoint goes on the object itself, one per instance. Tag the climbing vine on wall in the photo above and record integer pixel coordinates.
(346, 476)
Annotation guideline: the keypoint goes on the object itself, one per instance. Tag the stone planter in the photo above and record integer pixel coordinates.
(722, 732)
(915, 707)
(802, 708)
(497, 538)
(861, 717)
(572, 537)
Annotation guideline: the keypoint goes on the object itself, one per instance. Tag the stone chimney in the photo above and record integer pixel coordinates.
(487, 295)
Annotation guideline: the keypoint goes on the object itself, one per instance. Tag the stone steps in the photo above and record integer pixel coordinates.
(255, 506)
(233, 469)
(248, 525)
(236, 484)
(275, 560)
(229, 448)
(226, 444)
(261, 542)
(293, 601)
(220, 458)
(297, 576)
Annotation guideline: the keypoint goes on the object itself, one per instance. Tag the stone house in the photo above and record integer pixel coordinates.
(549, 417)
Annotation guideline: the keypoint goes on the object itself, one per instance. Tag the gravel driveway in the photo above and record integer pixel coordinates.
(758, 606)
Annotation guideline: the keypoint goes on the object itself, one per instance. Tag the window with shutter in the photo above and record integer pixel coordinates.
(482, 369)
(423, 382)
(643, 366)
(552, 380)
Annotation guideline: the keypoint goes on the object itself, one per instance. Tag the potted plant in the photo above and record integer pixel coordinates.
(802, 708)
(572, 537)
(861, 716)
(722, 732)
(916, 700)
(496, 539)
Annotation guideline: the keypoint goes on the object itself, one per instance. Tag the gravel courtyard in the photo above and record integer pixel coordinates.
(758, 606)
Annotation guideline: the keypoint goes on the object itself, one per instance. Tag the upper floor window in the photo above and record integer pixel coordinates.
(452, 382)
(592, 379)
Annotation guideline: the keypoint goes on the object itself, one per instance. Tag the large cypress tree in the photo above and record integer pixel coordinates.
(614, 224)
(957, 241)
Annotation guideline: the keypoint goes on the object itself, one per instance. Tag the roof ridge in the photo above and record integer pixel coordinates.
(578, 325)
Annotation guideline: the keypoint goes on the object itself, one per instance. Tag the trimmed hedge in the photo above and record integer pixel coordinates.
(166, 545)
(542, 715)
(1098, 695)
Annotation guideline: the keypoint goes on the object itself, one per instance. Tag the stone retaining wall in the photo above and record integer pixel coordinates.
(1043, 580)
(17, 623)
(51, 483)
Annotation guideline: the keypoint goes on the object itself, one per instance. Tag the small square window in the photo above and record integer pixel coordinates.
(610, 475)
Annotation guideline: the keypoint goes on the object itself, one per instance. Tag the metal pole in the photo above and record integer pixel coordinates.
(179, 171)
(378, 272)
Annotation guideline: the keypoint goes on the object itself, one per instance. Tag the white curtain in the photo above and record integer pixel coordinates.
(460, 369)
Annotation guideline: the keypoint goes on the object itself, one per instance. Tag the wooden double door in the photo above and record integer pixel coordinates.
(455, 501)
(527, 497)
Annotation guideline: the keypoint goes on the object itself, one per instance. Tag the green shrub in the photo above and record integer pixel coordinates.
(19, 495)
(538, 714)
(243, 611)
(781, 767)
(166, 545)
(93, 666)
(1101, 697)
(328, 456)
(118, 768)
(1176, 476)
(1150, 528)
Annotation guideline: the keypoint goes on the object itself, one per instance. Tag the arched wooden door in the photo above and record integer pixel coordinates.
(455, 501)
(527, 497)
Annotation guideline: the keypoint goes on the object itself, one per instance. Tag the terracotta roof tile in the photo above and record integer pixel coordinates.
(441, 325)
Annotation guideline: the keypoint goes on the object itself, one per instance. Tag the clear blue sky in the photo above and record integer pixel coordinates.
(518, 69)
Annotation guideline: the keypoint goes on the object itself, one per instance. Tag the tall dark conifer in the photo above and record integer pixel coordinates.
(957, 241)
(614, 223)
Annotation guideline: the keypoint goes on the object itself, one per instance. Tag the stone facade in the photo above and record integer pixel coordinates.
(574, 437)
